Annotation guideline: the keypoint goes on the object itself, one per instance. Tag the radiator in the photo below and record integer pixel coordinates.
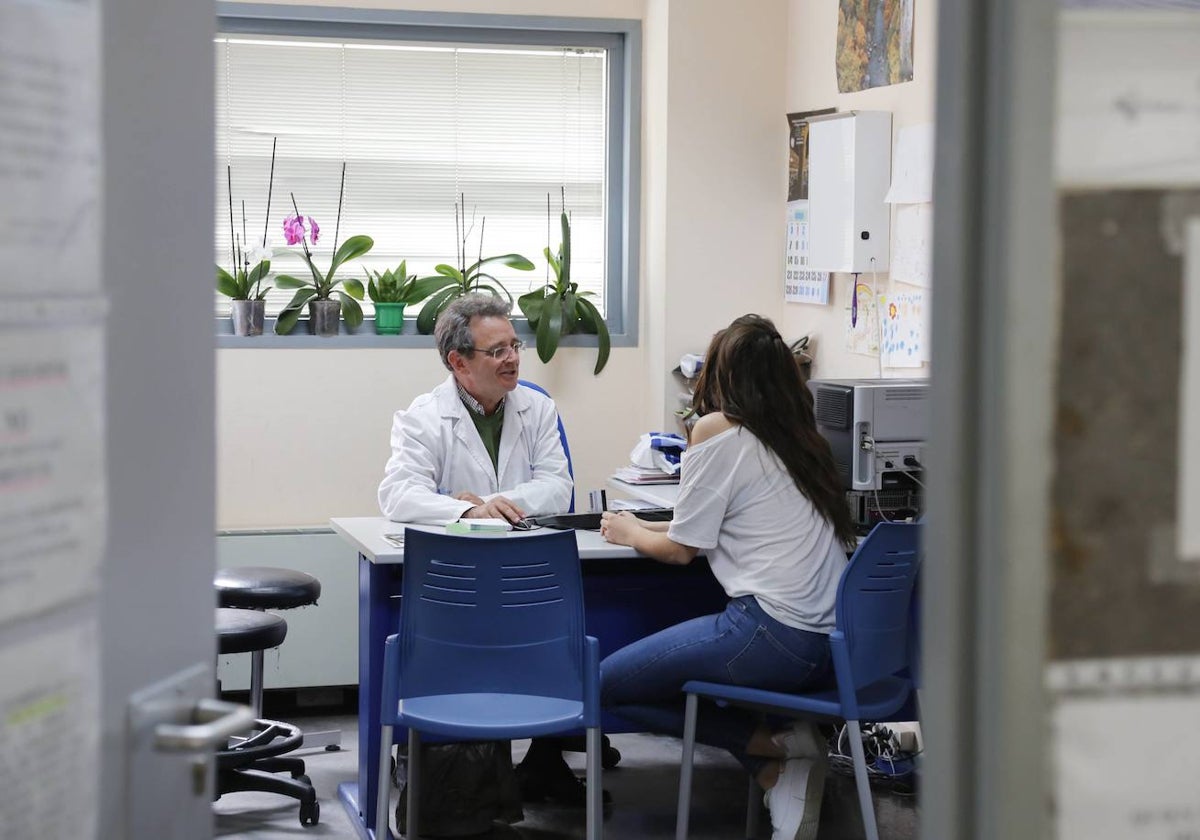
(321, 648)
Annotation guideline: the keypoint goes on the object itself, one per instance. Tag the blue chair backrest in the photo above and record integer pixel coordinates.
(487, 614)
(874, 604)
(562, 435)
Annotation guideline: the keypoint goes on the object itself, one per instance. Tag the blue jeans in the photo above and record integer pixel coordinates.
(642, 682)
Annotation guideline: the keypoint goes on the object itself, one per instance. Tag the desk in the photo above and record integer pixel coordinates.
(626, 597)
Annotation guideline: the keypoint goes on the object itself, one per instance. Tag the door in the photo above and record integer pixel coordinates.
(107, 545)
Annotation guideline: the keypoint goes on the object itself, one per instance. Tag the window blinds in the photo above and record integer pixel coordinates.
(418, 126)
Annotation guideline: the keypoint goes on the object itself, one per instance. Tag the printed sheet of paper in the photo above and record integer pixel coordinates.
(862, 327)
(1129, 98)
(52, 468)
(912, 166)
(801, 284)
(912, 244)
(1187, 517)
(50, 156)
(50, 734)
(904, 329)
(1126, 753)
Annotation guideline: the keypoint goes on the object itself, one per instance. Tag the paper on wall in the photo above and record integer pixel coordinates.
(904, 329)
(912, 244)
(50, 136)
(52, 468)
(912, 166)
(862, 327)
(1125, 750)
(1187, 517)
(801, 283)
(50, 734)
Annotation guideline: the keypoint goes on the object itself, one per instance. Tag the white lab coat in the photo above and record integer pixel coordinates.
(437, 452)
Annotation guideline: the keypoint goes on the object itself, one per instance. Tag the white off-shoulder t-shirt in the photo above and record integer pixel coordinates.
(762, 537)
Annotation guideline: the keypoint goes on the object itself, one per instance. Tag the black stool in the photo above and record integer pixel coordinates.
(270, 588)
(250, 763)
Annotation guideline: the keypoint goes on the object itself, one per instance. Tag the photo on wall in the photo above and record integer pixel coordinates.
(874, 43)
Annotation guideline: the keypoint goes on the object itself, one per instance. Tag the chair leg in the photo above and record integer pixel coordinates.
(685, 768)
(383, 789)
(256, 682)
(753, 806)
(595, 802)
(861, 781)
(413, 776)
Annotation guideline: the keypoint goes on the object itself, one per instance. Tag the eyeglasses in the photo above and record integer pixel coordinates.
(500, 353)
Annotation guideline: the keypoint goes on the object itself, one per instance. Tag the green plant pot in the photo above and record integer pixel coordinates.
(389, 318)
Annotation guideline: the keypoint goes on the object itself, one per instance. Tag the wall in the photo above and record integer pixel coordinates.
(303, 434)
(812, 84)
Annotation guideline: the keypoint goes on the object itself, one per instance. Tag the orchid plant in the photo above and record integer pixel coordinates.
(464, 279)
(558, 308)
(304, 231)
(244, 282)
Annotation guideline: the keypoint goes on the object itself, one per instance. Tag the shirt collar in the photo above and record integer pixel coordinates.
(474, 405)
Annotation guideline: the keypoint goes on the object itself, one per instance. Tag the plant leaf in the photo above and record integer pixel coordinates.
(554, 264)
(531, 304)
(591, 315)
(353, 247)
(449, 271)
(434, 306)
(259, 271)
(418, 290)
(511, 260)
(549, 329)
(353, 287)
(226, 285)
(570, 313)
(286, 281)
(352, 313)
(496, 292)
(374, 295)
(286, 321)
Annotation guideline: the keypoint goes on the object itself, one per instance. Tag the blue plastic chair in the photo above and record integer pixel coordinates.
(873, 649)
(491, 647)
(562, 435)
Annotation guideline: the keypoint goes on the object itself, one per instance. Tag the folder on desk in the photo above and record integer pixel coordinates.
(591, 521)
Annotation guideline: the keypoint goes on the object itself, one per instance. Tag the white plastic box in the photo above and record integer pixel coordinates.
(849, 169)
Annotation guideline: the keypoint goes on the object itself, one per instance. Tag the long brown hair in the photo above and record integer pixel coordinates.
(750, 376)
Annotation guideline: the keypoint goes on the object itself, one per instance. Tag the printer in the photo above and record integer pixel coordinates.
(877, 430)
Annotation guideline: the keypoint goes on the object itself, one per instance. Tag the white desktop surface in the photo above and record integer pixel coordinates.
(365, 533)
(663, 495)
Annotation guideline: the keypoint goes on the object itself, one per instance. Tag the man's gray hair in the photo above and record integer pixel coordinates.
(453, 329)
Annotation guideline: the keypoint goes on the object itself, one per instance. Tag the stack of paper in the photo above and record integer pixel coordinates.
(632, 474)
(479, 526)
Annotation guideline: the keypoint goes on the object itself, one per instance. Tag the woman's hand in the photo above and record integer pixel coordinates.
(619, 527)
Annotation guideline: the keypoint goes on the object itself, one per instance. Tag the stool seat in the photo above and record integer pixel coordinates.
(243, 631)
(265, 588)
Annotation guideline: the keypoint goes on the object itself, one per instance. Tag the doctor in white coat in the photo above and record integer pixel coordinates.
(477, 445)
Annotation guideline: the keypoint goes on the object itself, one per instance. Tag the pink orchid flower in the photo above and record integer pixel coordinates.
(314, 228)
(293, 230)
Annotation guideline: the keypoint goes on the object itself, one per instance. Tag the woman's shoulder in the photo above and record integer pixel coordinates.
(709, 426)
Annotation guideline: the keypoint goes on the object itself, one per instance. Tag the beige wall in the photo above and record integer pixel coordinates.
(812, 84)
(303, 434)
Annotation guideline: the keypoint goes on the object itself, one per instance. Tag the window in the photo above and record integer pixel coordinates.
(426, 111)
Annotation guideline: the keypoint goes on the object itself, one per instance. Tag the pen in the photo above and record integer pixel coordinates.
(854, 303)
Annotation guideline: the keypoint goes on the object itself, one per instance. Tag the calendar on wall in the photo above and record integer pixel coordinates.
(801, 284)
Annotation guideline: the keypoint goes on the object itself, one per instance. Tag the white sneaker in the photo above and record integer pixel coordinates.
(801, 741)
(795, 800)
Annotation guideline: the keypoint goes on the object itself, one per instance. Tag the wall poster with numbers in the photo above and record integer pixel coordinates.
(800, 283)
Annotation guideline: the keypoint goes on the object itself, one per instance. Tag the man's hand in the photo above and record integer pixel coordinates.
(497, 508)
(469, 497)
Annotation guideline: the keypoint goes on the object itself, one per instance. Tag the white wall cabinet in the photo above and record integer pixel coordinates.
(849, 169)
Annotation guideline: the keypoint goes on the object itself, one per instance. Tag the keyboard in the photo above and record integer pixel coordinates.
(591, 521)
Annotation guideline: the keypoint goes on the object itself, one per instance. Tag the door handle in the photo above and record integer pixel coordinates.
(213, 722)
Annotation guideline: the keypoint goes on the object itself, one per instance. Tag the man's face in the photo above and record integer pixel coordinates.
(485, 378)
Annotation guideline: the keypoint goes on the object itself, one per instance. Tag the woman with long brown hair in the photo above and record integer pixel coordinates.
(759, 496)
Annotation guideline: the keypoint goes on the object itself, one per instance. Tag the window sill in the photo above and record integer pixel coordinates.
(365, 338)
